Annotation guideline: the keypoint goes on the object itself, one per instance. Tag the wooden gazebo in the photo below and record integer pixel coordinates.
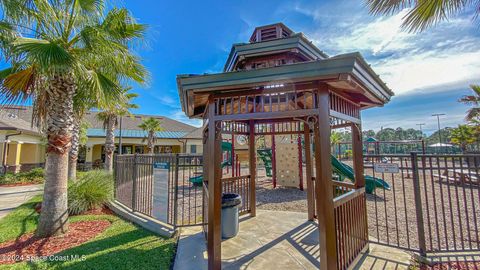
(280, 83)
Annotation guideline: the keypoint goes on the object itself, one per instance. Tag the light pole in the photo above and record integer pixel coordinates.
(438, 123)
(421, 131)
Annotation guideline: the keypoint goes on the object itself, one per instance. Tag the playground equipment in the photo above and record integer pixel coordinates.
(344, 171)
(266, 156)
(286, 170)
(226, 147)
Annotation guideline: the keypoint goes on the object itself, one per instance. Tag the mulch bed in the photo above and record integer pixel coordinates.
(29, 247)
(19, 184)
(453, 266)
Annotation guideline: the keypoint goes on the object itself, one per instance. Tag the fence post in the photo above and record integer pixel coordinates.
(175, 188)
(418, 205)
(134, 183)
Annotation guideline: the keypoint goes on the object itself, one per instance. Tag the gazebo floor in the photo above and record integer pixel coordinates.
(271, 240)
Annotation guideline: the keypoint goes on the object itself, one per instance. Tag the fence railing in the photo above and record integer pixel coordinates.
(169, 195)
(351, 226)
(433, 203)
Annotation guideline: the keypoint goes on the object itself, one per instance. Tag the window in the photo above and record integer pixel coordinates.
(193, 149)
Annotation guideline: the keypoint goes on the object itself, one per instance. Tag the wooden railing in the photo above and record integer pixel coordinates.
(340, 188)
(351, 226)
(239, 185)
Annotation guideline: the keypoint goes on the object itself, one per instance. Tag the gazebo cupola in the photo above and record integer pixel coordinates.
(270, 46)
(280, 83)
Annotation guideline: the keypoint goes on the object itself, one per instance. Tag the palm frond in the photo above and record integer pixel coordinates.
(422, 14)
(49, 56)
(473, 113)
(18, 85)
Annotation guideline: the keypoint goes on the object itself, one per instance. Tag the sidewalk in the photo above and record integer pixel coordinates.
(12, 197)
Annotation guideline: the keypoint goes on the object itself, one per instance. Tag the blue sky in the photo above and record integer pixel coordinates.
(427, 71)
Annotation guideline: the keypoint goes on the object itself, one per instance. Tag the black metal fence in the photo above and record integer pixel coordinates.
(162, 186)
(433, 203)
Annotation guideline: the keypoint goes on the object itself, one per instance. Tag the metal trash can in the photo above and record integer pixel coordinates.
(230, 207)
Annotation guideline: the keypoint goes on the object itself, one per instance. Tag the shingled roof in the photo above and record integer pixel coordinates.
(20, 118)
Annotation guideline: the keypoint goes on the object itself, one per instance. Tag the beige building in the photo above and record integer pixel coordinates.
(25, 145)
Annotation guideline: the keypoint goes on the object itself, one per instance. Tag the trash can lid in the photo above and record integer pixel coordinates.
(231, 199)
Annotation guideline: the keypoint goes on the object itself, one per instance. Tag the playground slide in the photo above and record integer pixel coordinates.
(226, 147)
(345, 171)
(266, 156)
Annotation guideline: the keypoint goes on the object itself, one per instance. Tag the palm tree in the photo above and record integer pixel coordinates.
(109, 118)
(473, 100)
(151, 126)
(463, 135)
(57, 49)
(425, 13)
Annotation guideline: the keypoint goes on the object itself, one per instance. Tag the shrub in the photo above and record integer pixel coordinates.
(34, 176)
(92, 190)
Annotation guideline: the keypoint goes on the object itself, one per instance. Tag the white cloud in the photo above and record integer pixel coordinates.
(445, 54)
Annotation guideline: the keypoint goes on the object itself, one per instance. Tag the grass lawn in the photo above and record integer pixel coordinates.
(121, 246)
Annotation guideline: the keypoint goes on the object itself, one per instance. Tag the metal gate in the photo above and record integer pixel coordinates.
(180, 198)
(432, 205)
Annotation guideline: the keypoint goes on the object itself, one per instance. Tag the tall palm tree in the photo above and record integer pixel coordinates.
(473, 100)
(109, 118)
(151, 126)
(57, 49)
(425, 13)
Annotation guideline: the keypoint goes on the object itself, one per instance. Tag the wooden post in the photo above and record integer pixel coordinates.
(357, 150)
(214, 241)
(274, 159)
(300, 162)
(308, 168)
(252, 167)
(323, 184)
(232, 158)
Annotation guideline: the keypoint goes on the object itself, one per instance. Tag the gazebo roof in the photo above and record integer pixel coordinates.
(348, 72)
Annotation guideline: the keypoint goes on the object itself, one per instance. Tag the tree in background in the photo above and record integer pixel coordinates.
(109, 117)
(57, 49)
(473, 114)
(423, 14)
(151, 126)
(463, 136)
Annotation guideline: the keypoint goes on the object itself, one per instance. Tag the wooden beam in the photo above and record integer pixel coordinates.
(265, 115)
(323, 184)
(308, 168)
(214, 241)
(357, 151)
(253, 168)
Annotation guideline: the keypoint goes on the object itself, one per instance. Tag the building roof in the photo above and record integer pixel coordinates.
(130, 133)
(17, 118)
(195, 134)
(20, 118)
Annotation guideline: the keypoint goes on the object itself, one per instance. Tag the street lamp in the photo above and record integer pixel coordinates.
(421, 131)
(438, 123)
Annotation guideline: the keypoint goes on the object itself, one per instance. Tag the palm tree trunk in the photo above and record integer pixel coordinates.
(110, 143)
(73, 154)
(54, 211)
(151, 147)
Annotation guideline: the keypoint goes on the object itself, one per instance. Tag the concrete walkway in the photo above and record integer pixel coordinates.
(275, 240)
(12, 197)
